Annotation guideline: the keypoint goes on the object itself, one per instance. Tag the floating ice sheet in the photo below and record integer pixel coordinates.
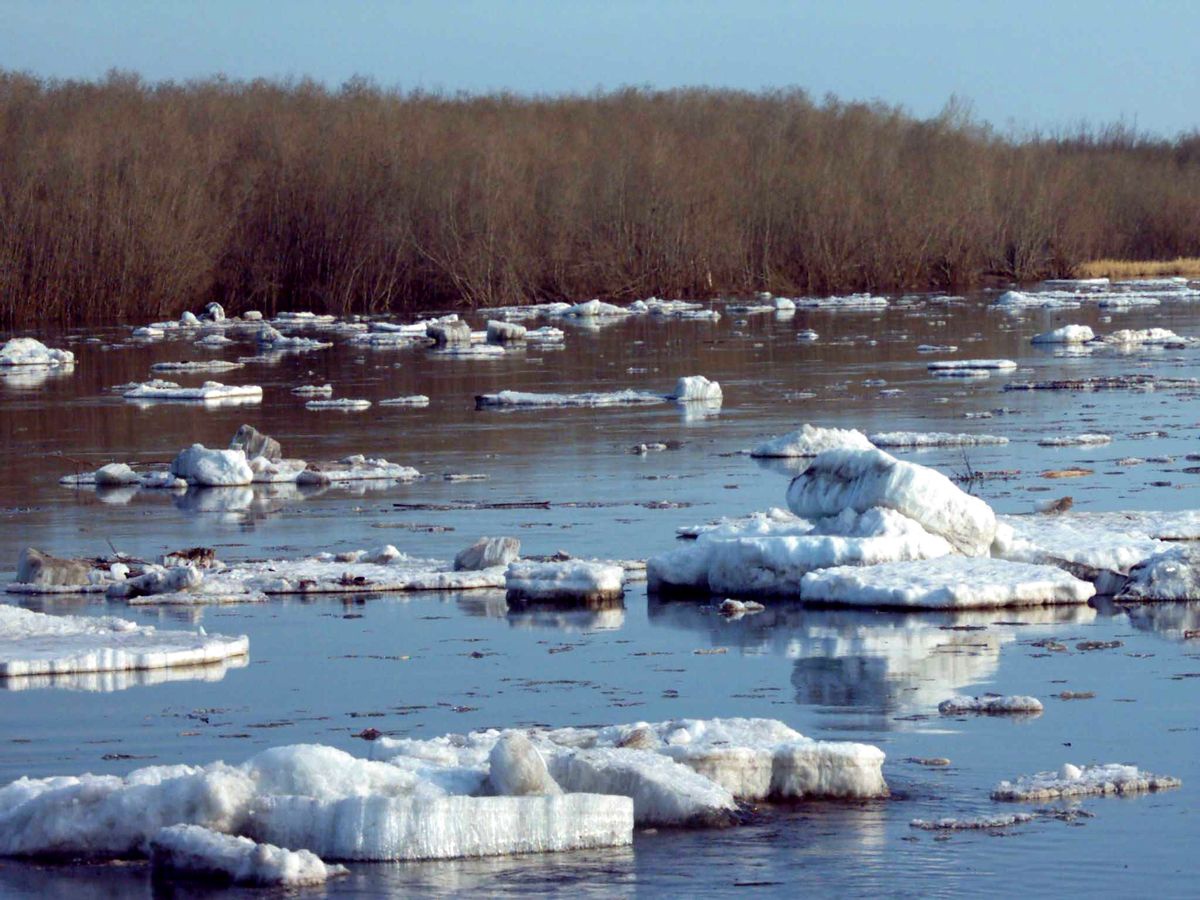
(1075, 781)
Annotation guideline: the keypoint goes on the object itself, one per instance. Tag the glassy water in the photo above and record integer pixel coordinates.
(324, 669)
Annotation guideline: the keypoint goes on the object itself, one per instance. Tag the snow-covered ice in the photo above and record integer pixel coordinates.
(949, 582)
(693, 388)
(570, 581)
(31, 352)
(34, 643)
(197, 365)
(158, 389)
(920, 439)
(200, 852)
(342, 403)
(1082, 781)
(410, 400)
(969, 365)
(212, 468)
(1075, 440)
(976, 823)
(861, 479)
(1067, 334)
(519, 399)
(991, 704)
(810, 440)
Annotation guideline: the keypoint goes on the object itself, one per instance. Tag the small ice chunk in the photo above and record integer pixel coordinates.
(1082, 781)
(990, 705)
(195, 851)
(978, 823)
(314, 390)
(811, 440)
(445, 333)
(1075, 440)
(115, 475)
(504, 332)
(410, 400)
(571, 581)
(343, 403)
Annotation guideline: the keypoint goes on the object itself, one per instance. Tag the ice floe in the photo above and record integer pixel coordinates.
(1173, 574)
(212, 468)
(518, 399)
(31, 352)
(314, 390)
(1076, 440)
(209, 391)
(991, 704)
(1076, 781)
(199, 852)
(569, 581)
(920, 439)
(342, 403)
(411, 400)
(197, 365)
(838, 480)
(977, 823)
(953, 366)
(948, 582)
(810, 440)
(33, 643)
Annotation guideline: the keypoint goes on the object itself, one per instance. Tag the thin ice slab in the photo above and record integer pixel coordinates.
(1075, 781)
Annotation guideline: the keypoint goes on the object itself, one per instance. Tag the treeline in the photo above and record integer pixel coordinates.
(127, 199)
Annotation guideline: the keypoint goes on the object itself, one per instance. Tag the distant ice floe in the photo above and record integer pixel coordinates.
(313, 390)
(411, 400)
(688, 389)
(343, 403)
(848, 302)
(922, 439)
(1145, 336)
(1075, 781)
(570, 581)
(208, 392)
(977, 823)
(36, 644)
(991, 704)
(1076, 440)
(949, 582)
(270, 338)
(482, 794)
(967, 368)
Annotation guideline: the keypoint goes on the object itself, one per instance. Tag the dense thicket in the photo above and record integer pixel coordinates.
(122, 198)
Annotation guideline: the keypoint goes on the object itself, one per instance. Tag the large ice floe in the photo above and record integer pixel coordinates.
(32, 352)
(1082, 781)
(36, 644)
(480, 794)
(867, 529)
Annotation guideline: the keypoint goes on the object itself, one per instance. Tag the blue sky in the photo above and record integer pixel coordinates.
(1021, 64)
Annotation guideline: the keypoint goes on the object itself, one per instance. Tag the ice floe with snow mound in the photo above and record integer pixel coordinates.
(859, 480)
(1076, 440)
(949, 582)
(991, 705)
(811, 440)
(32, 352)
(1075, 781)
(198, 852)
(921, 439)
(37, 644)
(569, 581)
(158, 389)
(1067, 334)
(769, 557)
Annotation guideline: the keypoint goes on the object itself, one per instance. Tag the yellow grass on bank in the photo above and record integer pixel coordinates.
(1139, 268)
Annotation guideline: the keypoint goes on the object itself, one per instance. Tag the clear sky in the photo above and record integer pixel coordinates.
(1022, 64)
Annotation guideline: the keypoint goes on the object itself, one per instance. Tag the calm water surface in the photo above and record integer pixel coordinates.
(324, 669)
